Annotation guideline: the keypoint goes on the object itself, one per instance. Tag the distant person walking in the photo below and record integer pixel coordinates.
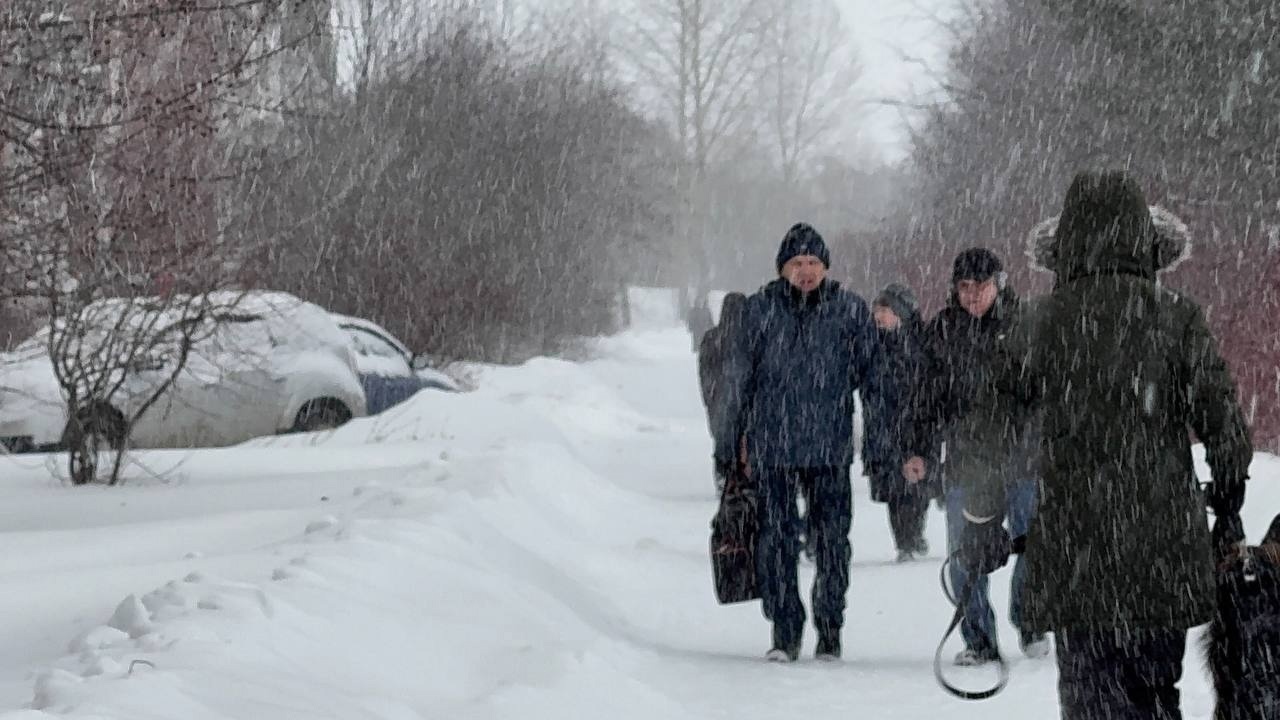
(886, 419)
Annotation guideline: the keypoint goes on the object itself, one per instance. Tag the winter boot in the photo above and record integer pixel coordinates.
(975, 657)
(779, 655)
(785, 648)
(1033, 644)
(921, 548)
(828, 647)
(905, 556)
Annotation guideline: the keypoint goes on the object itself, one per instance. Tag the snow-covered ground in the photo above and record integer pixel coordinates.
(534, 549)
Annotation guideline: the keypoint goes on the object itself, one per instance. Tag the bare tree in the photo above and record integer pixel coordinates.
(699, 62)
(1178, 94)
(115, 359)
(583, 28)
(808, 84)
(378, 38)
(480, 202)
(118, 128)
(366, 29)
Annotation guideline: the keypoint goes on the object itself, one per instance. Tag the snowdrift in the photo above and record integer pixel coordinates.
(533, 549)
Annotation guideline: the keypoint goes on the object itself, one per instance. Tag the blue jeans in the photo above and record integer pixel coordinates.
(979, 626)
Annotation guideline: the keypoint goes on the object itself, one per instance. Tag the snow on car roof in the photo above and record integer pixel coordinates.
(305, 320)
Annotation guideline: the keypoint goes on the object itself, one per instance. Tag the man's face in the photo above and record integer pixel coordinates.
(977, 296)
(804, 272)
(886, 319)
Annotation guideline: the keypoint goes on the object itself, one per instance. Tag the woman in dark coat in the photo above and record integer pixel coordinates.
(1119, 556)
(885, 420)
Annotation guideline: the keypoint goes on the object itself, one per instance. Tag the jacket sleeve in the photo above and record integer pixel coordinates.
(877, 416)
(1018, 374)
(737, 376)
(926, 407)
(1215, 414)
(868, 378)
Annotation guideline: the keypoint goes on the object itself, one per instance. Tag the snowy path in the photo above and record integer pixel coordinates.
(536, 549)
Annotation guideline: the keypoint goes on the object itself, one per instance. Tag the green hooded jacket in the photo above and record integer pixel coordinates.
(1122, 369)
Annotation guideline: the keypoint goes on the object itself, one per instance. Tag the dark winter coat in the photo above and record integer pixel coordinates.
(712, 352)
(792, 374)
(886, 418)
(1122, 369)
(989, 436)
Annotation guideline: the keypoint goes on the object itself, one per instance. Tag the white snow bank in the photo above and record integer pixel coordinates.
(533, 549)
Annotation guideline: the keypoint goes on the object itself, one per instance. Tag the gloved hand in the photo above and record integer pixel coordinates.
(1225, 495)
(984, 547)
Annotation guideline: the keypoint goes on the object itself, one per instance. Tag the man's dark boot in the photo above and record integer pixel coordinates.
(828, 648)
(785, 647)
(1033, 644)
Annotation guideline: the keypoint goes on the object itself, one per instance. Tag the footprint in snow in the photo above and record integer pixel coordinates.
(328, 522)
(366, 489)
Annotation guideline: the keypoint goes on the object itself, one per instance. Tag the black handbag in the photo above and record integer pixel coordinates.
(734, 531)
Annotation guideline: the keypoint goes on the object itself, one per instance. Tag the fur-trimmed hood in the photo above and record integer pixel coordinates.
(1108, 231)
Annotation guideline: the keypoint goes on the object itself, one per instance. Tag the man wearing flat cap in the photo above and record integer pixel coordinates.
(805, 348)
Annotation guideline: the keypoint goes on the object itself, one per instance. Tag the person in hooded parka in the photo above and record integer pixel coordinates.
(807, 346)
(885, 418)
(1119, 561)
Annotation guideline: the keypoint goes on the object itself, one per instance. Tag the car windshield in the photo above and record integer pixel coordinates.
(369, 343)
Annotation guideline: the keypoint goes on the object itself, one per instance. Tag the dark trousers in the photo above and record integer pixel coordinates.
(907, 513)
(829, 503)
(1120, 674)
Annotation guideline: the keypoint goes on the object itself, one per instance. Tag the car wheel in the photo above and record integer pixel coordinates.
(324, 414)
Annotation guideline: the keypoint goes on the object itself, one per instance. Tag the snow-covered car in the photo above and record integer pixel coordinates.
(268, 363)
(389, 372)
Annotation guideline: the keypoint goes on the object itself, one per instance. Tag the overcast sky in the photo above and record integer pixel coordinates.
(884, 29)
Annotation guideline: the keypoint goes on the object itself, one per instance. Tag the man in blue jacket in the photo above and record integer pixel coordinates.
(805, 347)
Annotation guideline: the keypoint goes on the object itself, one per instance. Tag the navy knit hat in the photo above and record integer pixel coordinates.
(802, 239)
(976, 264)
